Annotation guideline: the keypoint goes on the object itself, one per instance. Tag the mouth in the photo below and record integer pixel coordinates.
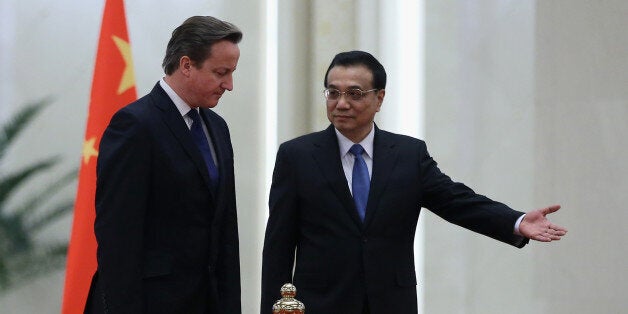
(340, 116)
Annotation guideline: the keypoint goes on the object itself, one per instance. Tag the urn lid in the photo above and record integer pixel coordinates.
(287, 303)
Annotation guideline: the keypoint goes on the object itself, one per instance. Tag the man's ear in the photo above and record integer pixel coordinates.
(380, 98)
(185, 65)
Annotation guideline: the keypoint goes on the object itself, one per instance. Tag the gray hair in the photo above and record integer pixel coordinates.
(195, 37)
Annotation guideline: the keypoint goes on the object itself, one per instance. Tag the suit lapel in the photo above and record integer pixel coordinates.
(384, 160)
(327, 156)
(173, 119)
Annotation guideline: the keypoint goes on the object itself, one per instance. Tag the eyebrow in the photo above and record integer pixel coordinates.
(348, 88)
(226, 69)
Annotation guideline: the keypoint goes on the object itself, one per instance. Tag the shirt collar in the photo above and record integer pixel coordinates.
(181, 105)
(345, 144)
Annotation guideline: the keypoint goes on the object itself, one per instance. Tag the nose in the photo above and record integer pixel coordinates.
(227, 83)
(342, 102)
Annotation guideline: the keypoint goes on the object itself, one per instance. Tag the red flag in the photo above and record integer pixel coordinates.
(113, 86)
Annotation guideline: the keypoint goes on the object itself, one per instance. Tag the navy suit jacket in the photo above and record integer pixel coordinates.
(342, 261)
(167, 242)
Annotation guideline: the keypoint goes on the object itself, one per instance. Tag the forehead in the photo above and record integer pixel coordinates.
(358, 76)
(223, 54)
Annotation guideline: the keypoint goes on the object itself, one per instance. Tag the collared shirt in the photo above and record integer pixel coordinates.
(184, 108)
(348, 159)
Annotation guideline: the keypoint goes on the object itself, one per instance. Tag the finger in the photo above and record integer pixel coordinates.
(558, 229)
(560, 232)
(542, 236)
(554, 236)
(550, 209)
(548, 235)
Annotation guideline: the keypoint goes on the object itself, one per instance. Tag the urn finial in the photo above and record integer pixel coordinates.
(288, 304)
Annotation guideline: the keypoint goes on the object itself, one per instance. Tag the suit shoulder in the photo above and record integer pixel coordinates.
(215, 117)
(149, 103)
(303, 140)
(134, 110)
(134, 118)
(398, 138)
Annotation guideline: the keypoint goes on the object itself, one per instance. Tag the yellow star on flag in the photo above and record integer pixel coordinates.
(128, 76)
(89, 150)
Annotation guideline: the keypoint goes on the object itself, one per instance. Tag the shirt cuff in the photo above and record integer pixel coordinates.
(517, 225)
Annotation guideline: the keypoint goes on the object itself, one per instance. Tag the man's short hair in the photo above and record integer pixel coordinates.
(195, 37)
(356, 58)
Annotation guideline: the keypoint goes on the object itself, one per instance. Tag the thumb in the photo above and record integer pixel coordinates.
(550, 209)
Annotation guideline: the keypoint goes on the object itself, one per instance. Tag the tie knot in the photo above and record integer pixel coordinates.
(193, 114)
(356, 150)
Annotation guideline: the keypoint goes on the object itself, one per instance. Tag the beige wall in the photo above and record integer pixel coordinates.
(525, 101)
(480, 128)
(582, 148)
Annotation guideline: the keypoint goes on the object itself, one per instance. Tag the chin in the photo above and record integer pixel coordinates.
(342, 124)
(210, 105)
(342, 127)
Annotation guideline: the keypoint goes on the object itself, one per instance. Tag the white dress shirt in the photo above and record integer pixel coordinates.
(348, 159)
(184, 108)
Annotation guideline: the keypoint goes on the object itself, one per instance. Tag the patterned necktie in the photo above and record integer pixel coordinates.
(360, 180)
(203, 146)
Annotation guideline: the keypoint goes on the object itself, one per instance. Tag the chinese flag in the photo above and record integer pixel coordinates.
(113, 86)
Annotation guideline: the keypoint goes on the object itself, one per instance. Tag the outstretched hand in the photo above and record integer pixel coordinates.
(537, 227)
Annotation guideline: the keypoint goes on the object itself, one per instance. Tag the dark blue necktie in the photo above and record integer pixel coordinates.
(360, 180)
(203, 146)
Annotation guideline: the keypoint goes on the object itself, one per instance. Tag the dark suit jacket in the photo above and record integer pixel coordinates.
(167, 243)
(340, 261)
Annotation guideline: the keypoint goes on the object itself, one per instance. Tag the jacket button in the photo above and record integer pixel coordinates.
(364, 240)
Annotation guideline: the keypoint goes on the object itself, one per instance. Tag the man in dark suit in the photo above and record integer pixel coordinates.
(166, 222)
(345, 203)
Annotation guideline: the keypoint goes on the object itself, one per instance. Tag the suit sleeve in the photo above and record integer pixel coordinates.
(121, 201)
(281, 231)
(459, 204)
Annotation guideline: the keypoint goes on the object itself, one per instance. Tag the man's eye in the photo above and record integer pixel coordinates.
(354, 92)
